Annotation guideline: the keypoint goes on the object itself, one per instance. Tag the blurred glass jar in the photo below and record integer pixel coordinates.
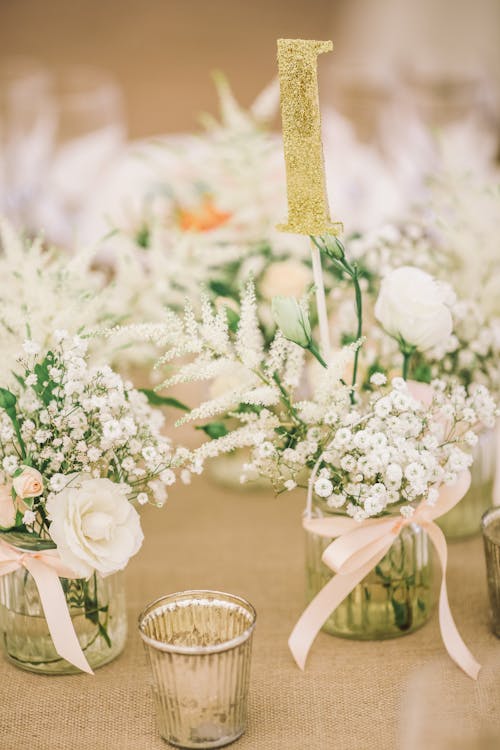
(442, 96)
(27, 125)
(464, 520)
(394, 599)
(89, 134)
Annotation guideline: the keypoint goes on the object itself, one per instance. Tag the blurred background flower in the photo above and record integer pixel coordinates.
(410, 88)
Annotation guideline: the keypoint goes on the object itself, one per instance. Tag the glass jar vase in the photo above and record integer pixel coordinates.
(464, 520)
(394, 599)
(97, 609)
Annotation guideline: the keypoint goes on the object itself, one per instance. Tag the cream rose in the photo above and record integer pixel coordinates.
(411, 305)
(29, 483)
(287, 278)
(94, 526)
(7, 507)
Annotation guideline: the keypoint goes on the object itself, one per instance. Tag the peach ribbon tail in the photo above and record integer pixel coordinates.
(46, 568)
(358, 548)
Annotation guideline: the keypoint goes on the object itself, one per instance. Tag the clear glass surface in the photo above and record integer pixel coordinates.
(98, 613)
(491, 536)
(394, 599)
(199, 649)
(90, 131)
(27, 126)
(465, 518)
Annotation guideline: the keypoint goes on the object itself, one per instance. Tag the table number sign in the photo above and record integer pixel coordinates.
(308, 211)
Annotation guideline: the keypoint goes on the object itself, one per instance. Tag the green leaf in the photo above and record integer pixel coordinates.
(104, 634)
(233, 319)
(27, 540)
(143, 237)
(249, 409)
(19, 379)
(221, 288)
(7, 400)
(348, 338)
(214, 430)
(156, 400)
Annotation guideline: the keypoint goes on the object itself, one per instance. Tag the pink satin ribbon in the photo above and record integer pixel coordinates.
(357, 548)
(46, 568)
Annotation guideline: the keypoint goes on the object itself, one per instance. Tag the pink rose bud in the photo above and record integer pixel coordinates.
(29, 483)
(7, 508)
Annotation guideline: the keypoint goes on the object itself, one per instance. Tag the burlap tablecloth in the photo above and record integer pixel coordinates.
(353, 695)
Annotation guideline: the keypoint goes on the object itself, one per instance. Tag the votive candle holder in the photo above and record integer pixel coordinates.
(199, 648)
(490, 526)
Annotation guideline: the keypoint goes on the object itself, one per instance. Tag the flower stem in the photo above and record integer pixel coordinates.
(359, 332)
(315, 352)
(407, 353)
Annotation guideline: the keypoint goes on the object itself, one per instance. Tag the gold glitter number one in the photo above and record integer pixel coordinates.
(308, 211)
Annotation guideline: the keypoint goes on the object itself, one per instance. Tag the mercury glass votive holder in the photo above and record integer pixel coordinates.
(199, 648)
(490, 525)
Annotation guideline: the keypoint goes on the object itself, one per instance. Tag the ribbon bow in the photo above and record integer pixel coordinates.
(358, 548)
(46, 568)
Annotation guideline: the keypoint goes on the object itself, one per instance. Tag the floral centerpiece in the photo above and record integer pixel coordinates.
(384, 457)
(80, 449)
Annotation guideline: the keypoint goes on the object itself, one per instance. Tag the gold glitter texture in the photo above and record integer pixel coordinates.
(308, 211)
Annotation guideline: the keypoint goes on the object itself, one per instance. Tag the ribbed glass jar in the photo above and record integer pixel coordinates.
(394, 599)
(97, 609)
(199, 647)
(464, 520)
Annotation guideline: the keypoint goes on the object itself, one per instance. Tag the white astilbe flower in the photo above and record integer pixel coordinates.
(294, 365)
(214, 407)
(42, 290)
(249, 341)
(203, 368)
(327, 382)
(214, 327)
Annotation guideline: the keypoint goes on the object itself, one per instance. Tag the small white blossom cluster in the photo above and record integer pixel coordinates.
(472, 353)
(390, 450)
(392, 246)
(75, 420)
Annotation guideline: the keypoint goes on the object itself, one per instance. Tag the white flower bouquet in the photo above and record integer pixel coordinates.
(79, 449)
(376, 457)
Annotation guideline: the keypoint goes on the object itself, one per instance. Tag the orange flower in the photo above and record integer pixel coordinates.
(204, 219)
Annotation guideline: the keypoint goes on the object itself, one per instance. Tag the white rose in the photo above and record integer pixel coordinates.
(287, 278)
(29, 483)
(411, 305)
(94, 527)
